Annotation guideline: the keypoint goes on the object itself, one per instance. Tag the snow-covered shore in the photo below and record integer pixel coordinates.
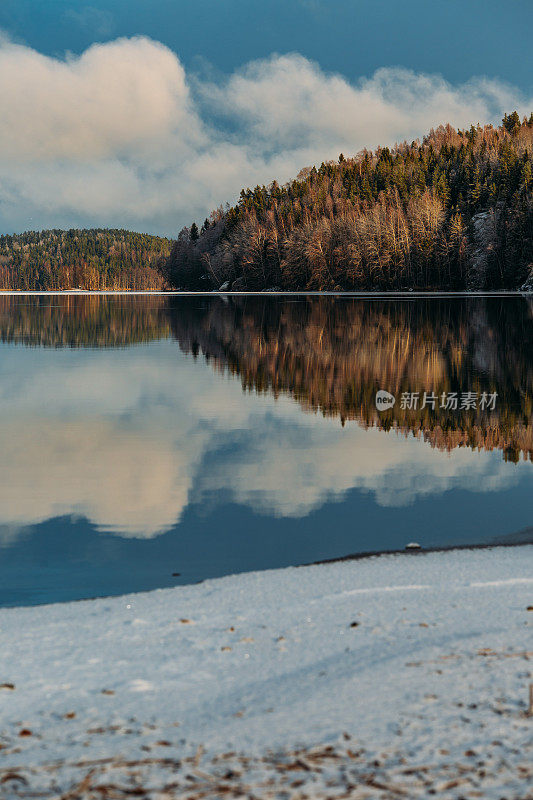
(413, 669)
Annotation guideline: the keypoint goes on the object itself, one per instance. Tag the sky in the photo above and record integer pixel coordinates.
(148, 115)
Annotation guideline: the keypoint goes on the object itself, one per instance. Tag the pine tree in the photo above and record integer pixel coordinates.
(511, 123)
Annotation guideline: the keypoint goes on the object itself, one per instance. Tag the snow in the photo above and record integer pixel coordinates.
(399, 674)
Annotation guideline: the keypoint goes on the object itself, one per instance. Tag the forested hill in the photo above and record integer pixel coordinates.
(89, 259)
(453, 211)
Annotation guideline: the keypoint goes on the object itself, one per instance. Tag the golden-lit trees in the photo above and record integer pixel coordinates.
(406, 217)
(90, 259)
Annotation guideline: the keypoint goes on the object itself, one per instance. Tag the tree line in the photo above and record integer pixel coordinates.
(87, 259)
(452, 211)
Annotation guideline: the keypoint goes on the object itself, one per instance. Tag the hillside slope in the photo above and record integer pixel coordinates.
(89, 259)
(454, 211)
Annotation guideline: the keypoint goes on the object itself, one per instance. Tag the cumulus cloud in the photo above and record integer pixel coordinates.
(121, 135)
(124, 100)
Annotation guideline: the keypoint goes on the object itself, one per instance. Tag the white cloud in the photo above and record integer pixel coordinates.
(124, 100)
(121, 135)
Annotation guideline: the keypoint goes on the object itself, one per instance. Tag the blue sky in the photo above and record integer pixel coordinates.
(456, 38)
(100, 128)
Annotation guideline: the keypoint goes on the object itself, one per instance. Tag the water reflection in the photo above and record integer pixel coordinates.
(158, 442)
(82, 320)
(333, 355)
(330, 354)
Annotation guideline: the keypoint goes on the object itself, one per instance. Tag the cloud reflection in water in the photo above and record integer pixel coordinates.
(126, 439)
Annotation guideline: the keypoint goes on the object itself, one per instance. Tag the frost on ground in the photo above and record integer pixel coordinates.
(399, 676)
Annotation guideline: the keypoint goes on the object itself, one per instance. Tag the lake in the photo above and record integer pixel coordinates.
(151, 441)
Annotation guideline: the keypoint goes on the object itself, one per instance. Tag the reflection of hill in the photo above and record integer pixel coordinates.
(333, 354)
(330, 354)
(82, 320)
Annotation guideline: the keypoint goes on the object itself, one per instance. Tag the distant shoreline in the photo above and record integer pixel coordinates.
(301, 293)
(418, 551)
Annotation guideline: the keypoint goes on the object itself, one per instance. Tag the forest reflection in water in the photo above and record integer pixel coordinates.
(331, 354)
(127, 416)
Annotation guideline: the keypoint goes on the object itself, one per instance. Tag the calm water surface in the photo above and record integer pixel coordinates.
(151, 441)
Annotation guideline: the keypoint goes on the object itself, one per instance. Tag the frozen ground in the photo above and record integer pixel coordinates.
(400, 676)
